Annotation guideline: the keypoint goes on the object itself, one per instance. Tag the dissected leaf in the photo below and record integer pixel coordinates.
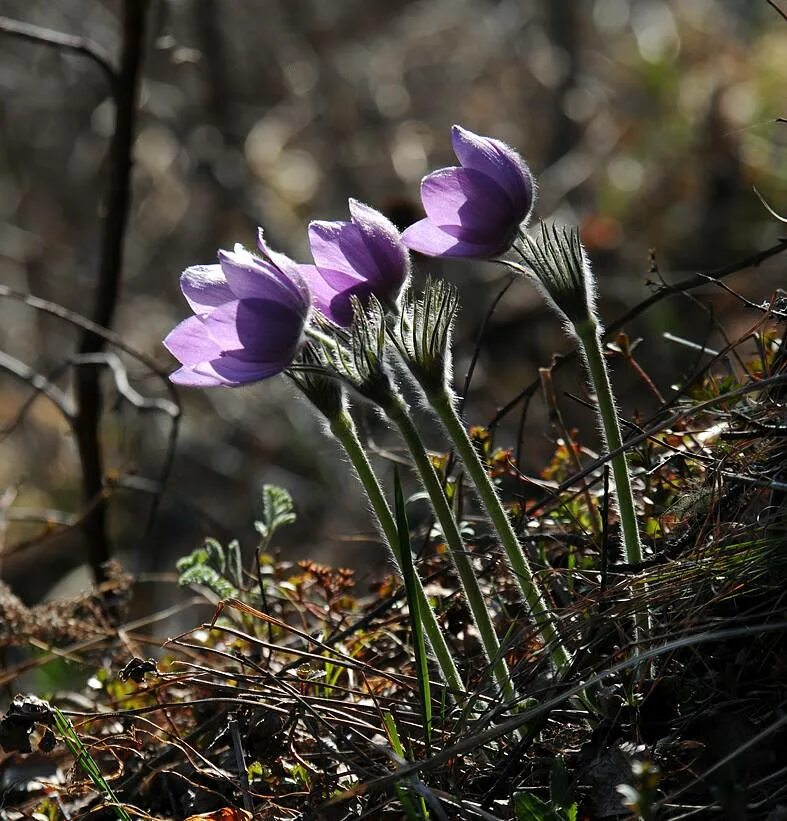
(211, 554)
(277, 511)
(208, 577)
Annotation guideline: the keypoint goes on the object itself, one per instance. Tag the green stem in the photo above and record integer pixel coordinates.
(590, 339)
(397, 412)
(343, 428)
(443, 405)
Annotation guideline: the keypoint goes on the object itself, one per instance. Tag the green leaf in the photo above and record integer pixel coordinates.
(401, 792)
(277, 511)
(528, 807)
(559, 784)
(86, 761)
(207, 576)
(211, 554)
(234, 568)
(419, 646)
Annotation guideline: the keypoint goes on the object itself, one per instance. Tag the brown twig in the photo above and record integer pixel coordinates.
(669, 422)
(479, 339)
(777, 9)
(556, 417)
(64, 42)
(661, 293)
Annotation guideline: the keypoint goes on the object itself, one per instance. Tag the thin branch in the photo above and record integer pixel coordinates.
(124, 388)
(661, 293)
(478, 341)
(65, 42)
(53, 309)
(526, 716)
(40, 384)
(668, 422)
(777, 9)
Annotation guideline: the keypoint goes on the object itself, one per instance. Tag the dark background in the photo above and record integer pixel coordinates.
(646, 122)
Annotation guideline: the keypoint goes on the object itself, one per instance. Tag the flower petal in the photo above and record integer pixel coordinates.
(434, 241)
(322, 292)
(384, 244)
(188, 376)
(256, 330)
(498, 161)
(332, 304)
(190, 342)
(471, 200)
(253, 278)
(233, 372)
(205, 287)
(341, 255)
(290, 268)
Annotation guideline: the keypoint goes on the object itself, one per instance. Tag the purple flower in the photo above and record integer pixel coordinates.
(248, 323)
(473, 210)
(358, 258)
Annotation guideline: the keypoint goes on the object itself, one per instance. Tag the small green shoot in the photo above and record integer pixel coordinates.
(87, 762)
(209, 566)
(401, 793)
(419, 646)
(277, 511)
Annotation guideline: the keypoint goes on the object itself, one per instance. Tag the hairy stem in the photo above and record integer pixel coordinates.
(590, 339)
(443, 405)
(398, 414)
(343, 428)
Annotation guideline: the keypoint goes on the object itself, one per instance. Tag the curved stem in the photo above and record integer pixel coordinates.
(398, 414)
(444, 407)
(589, 337)
(343, 428)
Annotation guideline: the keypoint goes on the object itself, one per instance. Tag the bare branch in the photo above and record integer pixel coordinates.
(124, 388)
(40, 384)
(777, 9)
(66, 42)
(661, 293)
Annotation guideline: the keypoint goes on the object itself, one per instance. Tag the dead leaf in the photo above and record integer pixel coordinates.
(224, 814)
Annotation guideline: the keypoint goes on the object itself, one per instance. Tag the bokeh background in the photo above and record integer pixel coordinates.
(648, 122)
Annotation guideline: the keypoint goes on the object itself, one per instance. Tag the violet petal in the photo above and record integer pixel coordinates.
(190, 343)
(252, 278)
(290, 268)
(205, 287)
(430, 239)
(230, 371)
(340, 254)
(384, 244)
(321, 291)
(188, 376)
(498, 161)
(256, 330)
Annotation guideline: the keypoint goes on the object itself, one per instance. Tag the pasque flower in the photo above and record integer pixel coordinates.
(473, 210)
(249, 319)
(360, 258)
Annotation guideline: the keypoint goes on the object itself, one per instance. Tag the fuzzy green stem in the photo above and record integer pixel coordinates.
(444, 407)
(590, 339)
(397, 412)
(343, 428)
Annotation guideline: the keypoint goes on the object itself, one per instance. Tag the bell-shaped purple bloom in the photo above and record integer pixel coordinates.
(358, 258)
(473, 210)
(248, 323)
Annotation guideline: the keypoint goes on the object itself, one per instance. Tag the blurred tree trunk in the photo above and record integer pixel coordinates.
(563, 20)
